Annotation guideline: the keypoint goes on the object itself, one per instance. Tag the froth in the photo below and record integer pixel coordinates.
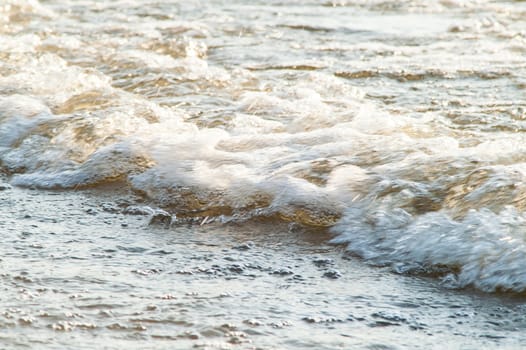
(51, 78)
(487, 248)
(18, 116)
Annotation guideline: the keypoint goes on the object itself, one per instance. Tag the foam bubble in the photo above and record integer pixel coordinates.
(18, 116)
(487, 247)
(51, 78)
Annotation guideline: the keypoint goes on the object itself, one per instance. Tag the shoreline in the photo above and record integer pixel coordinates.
(75, 272)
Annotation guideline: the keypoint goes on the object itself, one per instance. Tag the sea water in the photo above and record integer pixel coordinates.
(388, 133)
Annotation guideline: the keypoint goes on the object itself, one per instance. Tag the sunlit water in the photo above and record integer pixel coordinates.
(394, 129)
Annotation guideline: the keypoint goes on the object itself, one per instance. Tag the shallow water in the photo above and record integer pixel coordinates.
(386, 132)
(77, 271)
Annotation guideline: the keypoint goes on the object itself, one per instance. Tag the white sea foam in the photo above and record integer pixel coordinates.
(18, 116)
(488, 248)
(50, 78)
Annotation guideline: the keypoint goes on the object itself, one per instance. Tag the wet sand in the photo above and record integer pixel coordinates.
(79, 270)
